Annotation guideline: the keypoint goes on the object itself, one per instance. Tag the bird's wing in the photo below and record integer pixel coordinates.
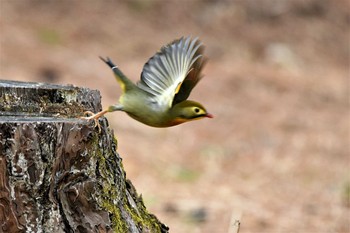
(165, 73)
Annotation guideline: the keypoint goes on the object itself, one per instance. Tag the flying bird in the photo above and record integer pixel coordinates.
(159, 99)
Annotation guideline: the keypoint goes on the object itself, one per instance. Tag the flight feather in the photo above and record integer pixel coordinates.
(170, 75)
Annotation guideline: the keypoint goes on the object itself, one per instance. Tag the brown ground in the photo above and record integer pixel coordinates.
(276, 155)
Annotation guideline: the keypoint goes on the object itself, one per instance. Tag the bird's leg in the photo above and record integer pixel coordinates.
(94, 117)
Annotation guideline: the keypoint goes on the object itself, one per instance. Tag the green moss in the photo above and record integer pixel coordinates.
(113, 196)
(108, 194)
(117, 220)
(140, 213)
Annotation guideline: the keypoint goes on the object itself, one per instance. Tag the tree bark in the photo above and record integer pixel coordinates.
(58, 173)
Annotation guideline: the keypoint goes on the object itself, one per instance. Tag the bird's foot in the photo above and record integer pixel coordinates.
(95, 117)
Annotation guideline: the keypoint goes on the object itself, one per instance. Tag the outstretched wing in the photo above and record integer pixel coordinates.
(170, 74)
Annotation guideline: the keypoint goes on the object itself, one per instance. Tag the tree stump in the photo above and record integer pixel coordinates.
(58, 173)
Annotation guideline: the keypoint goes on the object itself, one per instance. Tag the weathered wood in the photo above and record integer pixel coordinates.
(57, 172)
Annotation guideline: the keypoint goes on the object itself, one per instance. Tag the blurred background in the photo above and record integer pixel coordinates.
(276, 155)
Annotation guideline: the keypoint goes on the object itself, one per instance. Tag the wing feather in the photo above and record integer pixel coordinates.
(164, 73)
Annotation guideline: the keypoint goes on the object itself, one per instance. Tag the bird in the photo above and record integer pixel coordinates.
(159, 98)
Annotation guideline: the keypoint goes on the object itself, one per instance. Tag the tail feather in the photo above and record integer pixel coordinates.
(124, 82)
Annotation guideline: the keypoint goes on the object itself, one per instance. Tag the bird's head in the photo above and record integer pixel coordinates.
(187, 111)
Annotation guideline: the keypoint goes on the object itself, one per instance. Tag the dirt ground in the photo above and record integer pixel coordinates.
(276, 155)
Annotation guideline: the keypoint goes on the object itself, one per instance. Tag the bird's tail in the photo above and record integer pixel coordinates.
(124, 82)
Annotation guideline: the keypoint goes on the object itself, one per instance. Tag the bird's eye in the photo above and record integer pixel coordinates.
(196, 110)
